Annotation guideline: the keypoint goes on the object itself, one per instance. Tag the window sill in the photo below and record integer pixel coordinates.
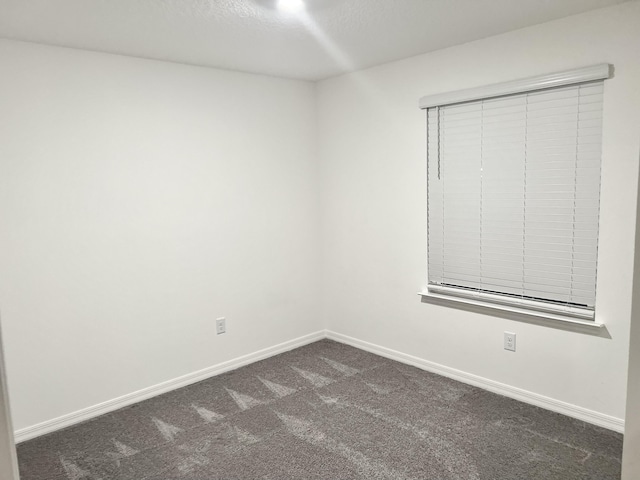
(514, 313)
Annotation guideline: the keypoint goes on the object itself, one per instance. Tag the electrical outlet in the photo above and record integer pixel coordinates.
(221, 325)
(510, 341)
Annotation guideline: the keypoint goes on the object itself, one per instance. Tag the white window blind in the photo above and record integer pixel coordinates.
(513, 198)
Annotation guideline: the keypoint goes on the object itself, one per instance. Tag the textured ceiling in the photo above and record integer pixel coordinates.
(331, 37)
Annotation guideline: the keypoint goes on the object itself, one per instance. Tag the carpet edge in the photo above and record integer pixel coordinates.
(548, 403)
(73, 418)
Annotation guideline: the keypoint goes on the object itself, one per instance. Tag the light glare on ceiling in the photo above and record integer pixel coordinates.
(290, 6)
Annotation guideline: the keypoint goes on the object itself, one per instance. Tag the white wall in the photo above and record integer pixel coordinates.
(140, 200)
(372, 154)
(631, 453)
(8, 461)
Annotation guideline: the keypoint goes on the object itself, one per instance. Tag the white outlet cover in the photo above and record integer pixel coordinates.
(221, 325)
(510, 341)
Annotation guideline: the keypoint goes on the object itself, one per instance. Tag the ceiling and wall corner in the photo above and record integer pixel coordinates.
(328, 38)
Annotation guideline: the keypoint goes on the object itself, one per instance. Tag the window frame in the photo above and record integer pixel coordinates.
(452, 297)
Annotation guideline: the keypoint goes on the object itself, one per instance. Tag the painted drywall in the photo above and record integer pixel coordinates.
(139, 201)
(631, 451)
(372, 165)
(8, 461)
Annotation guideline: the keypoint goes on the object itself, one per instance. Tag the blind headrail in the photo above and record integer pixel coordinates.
(558, 79)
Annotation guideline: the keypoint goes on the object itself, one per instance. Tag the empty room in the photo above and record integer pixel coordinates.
(319, 239)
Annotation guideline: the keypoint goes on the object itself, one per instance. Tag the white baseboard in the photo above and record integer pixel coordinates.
(584, 414)
(596, 418)
(155, 390)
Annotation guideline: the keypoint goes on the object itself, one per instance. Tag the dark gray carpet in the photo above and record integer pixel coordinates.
(326, 411)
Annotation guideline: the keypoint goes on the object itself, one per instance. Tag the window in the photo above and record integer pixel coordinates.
(513, 180)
